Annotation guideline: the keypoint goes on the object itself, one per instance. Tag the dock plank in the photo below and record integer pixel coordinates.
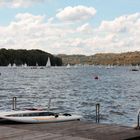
(73, 130)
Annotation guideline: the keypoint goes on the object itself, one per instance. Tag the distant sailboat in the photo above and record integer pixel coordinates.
(9, 65)
(68, 66)
(25, 65)
(14, 65)
(48, 64)
(109, 66)
(136, 68)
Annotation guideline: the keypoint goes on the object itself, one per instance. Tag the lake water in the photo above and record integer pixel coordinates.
(75, 90)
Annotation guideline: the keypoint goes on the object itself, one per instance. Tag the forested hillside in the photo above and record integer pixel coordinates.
(33, 57)
(30, 57)
(129, 58)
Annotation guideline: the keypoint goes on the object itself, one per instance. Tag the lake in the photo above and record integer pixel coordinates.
(75, 90)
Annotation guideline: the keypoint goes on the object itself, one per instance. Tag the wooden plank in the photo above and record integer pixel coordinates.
(74, 130)
(39, 135)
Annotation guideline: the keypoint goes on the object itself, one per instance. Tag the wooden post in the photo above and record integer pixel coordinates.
(97, 113)
(14, 103)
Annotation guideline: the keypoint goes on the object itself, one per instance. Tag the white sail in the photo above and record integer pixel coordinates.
(68, 66)
(25, 65)
(14, 65)
(48, 64)
(9, 65)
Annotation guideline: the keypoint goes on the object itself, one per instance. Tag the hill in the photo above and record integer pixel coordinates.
(129, 58)
(30, 57)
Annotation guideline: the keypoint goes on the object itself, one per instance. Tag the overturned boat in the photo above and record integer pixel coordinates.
(37, 116)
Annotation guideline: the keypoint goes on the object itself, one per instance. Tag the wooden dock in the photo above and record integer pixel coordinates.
(73, 130)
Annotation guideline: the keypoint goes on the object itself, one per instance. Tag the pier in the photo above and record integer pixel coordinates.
(72, 130)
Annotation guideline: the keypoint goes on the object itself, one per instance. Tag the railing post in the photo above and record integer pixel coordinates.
(14, 103)
(97, 113)
(138, 121)
(49, 104)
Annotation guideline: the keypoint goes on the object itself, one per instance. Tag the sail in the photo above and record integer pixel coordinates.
(48, 62)
(68, 66)
(25, 65)
(9, 65)
(36, 64)
(14, 65)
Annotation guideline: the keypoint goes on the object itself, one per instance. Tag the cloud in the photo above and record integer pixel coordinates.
(19, 3)
(121, 24)
(29, 31)
(85, 28)
(124, 31)
(77, 13)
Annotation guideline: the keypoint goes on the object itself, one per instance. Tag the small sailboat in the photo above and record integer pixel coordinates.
(68, 66)
(37, 116)
(109, 66)
(136, 68)
(10, 65)
(48, 64)
(14, 65)
(25, 65)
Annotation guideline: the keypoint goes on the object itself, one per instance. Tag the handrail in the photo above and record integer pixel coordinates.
(14, 103)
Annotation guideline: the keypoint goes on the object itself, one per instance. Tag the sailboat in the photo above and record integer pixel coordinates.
(136, 68)
(14, 65)
(48, 64)
(9, 65)
(68, 66)
(25, 65)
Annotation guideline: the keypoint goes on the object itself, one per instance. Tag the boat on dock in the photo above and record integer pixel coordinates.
(35, 116)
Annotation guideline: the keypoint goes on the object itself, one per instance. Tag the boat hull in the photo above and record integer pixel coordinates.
(30, 117)
(43, 119)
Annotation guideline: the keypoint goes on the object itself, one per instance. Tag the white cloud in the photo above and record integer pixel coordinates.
(28, 31)
(18, 3)
(85, 28)
(77, 13)
(120, 24)
(125, 31)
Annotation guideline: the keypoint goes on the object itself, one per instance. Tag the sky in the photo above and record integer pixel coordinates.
(71, 26)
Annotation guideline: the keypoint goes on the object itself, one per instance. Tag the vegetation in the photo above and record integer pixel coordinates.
(33, 57)
(129, 58)
(30, 57)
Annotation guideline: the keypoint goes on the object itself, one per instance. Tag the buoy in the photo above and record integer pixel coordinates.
(96, 77)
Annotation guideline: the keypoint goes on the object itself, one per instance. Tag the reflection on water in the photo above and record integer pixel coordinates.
(75, 90)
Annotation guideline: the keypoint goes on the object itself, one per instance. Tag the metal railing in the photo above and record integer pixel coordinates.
(97, 117)
(14, 104)
(97, 106)
(97, 113)
(138, 121)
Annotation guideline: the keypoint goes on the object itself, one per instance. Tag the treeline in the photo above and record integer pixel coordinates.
(29, 57)
(129, 58)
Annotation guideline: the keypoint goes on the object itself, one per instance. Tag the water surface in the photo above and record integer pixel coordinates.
(75, 90)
